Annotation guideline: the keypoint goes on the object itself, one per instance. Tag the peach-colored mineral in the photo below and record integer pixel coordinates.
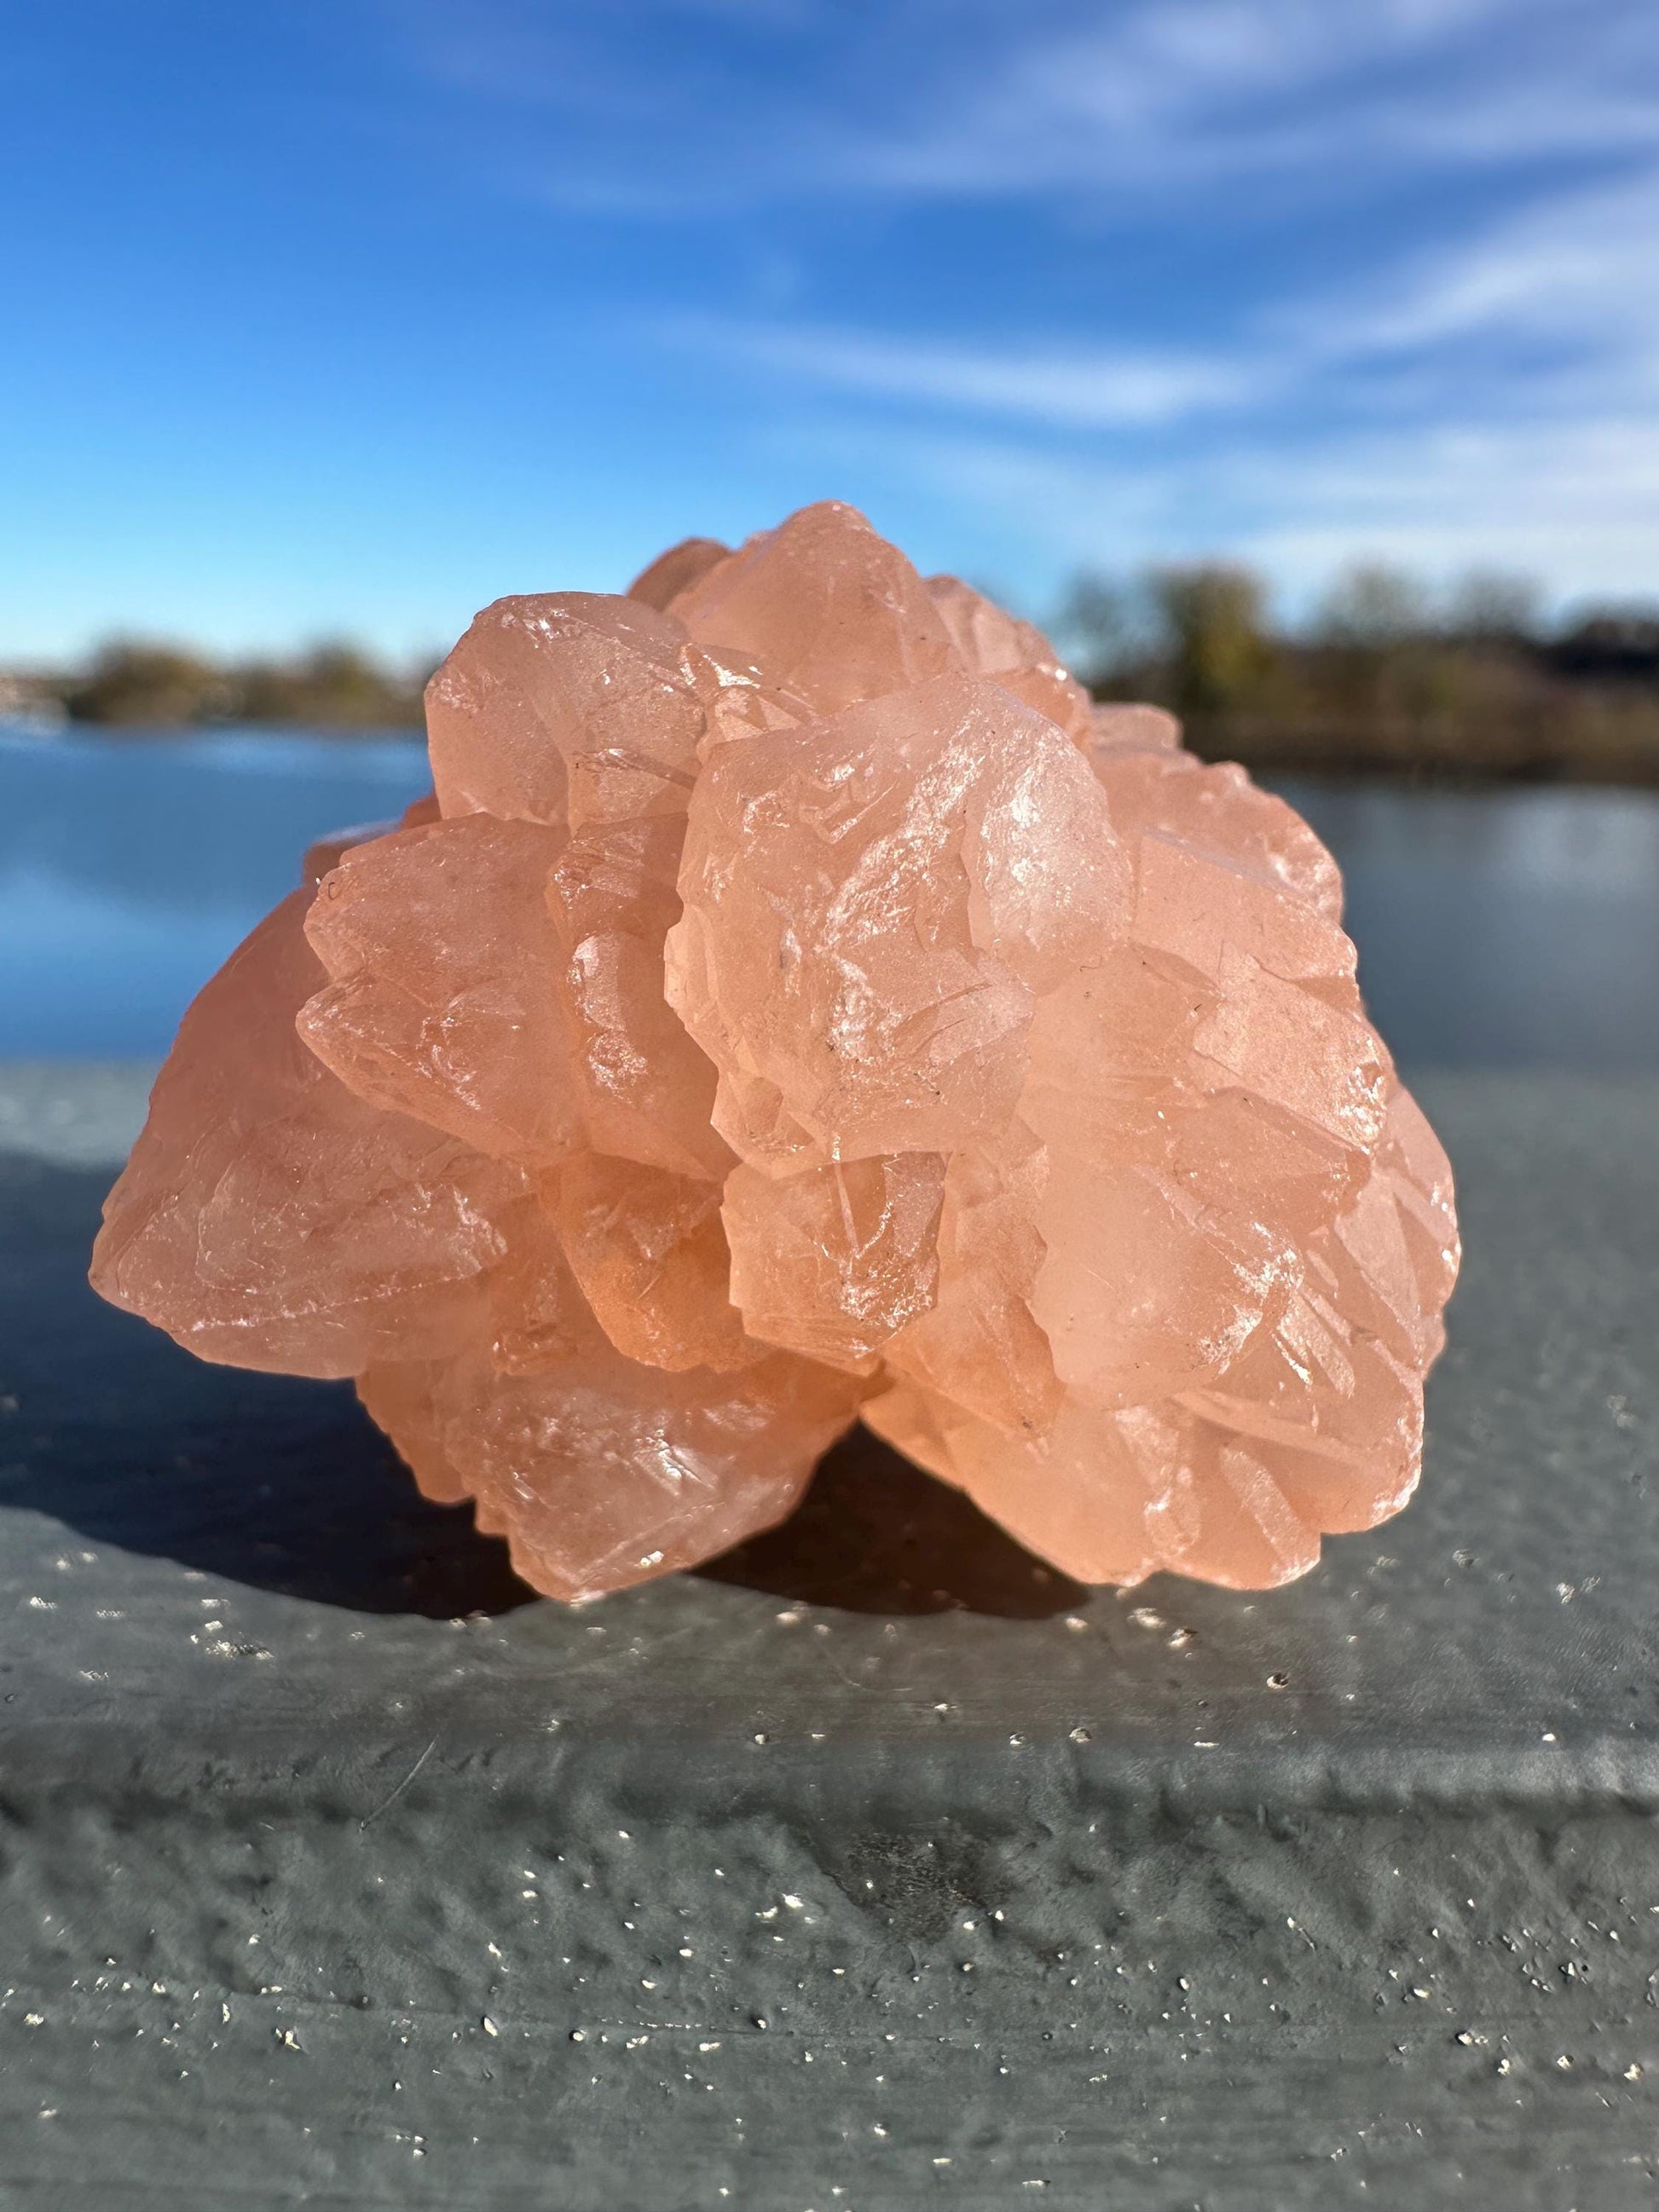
(798, 1001)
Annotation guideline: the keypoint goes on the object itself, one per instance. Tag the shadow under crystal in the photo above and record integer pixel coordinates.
(875, 1535)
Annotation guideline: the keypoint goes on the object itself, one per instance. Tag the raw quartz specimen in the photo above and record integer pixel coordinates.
(796, 1002)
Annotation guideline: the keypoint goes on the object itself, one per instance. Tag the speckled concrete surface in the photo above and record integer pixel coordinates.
(875, 1868)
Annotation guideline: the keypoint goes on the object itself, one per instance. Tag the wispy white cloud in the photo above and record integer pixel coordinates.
(1575, 504)
(1178, 86)
(1074, 387)
(1183, 93)
(1572, 275)
(1579, 264)
(976, 99)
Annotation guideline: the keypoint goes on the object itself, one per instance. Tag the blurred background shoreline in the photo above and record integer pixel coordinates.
(1384, 677)
(1486, 777)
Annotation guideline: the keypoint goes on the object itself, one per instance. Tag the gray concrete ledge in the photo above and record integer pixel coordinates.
(874, 1863)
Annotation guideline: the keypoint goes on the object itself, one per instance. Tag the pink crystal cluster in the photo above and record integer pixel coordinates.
(797, 1001)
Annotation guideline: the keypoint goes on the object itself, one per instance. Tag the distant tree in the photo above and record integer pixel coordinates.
(1212, 614)
(1372, 607)
(1493, 606)
(333, 686)
(1101, 627)
(156, 686)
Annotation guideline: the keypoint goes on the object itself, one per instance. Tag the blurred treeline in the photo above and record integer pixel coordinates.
(1383, 677)
(136, 686)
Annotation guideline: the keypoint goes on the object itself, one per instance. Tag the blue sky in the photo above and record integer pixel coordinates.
(346, 315)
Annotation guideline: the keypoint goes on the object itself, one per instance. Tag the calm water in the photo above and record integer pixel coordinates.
(129, 867)
(1502, 929)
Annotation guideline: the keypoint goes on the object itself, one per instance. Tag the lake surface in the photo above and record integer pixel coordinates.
(1511, 927)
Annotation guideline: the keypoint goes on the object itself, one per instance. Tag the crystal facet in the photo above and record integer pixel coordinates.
(798, 999)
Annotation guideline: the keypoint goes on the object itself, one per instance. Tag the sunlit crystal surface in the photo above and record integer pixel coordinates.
(796, 1000)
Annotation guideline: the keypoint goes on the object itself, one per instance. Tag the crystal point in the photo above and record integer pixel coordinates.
(796, 999)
